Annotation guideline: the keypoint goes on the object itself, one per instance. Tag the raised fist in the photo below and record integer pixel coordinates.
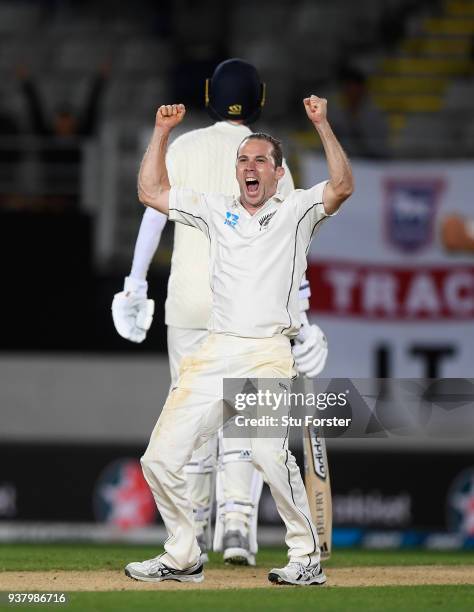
(316, 108)
(169, 115)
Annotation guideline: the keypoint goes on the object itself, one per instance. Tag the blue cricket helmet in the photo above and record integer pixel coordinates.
(235, 92)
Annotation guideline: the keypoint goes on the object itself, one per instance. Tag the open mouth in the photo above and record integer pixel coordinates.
(251, 184)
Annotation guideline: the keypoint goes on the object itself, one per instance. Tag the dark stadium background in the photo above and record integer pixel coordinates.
(74, 396)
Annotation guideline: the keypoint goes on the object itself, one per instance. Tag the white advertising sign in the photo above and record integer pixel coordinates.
(391, 301)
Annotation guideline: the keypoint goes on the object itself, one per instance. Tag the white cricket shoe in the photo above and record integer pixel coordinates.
(153, 570)
(297, 573)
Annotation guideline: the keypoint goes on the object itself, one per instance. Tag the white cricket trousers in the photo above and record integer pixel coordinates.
(240, 483)
(182, 342)
(202, 467)
(192, 414)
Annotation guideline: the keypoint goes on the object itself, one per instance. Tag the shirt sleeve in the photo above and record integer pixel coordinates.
(309, 203)
(189, 208)
(310, 210)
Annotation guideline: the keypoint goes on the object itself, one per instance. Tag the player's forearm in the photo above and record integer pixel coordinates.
(153, 181)
(340, 172)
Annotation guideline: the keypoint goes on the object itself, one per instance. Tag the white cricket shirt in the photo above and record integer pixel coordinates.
(256, 261)
(203, 159)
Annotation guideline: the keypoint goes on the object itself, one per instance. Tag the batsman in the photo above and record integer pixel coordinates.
(254, 278)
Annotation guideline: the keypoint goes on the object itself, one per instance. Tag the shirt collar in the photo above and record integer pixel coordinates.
(277, 198)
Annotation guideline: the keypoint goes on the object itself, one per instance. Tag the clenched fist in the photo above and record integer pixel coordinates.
(316, 109)
(169, 115)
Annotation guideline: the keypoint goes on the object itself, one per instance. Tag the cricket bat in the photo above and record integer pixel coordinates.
(318, 486)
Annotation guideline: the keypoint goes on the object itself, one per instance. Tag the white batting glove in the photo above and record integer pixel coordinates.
(310, 350)
(132, 312)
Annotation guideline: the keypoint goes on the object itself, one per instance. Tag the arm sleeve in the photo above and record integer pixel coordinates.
(148, 240)
(151, 228)
(190, 208)
(286, 184)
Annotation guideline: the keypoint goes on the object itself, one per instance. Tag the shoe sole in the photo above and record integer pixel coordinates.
(174, 578)
(277, 579)
(238, 556)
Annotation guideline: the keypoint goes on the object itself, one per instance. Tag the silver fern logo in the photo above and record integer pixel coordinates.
(265, 220)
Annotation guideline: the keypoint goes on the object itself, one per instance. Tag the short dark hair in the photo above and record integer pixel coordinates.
(277, 151)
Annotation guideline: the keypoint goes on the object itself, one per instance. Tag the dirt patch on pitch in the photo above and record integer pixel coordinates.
(232, 578)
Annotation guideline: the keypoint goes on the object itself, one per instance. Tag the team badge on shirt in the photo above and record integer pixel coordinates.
(265, 220)
(231, 219)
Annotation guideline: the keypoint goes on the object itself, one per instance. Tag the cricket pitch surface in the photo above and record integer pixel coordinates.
(234, 578)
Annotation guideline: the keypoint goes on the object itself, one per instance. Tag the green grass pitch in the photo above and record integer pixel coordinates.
(25, 557)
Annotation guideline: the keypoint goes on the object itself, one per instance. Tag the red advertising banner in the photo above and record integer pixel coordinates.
(348, 289)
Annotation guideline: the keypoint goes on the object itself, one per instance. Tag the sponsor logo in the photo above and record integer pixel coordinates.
(318, 454)
(410, 212)
(265, 220)
(122, 496)
(245, 454)
(235, 109)
(372, 509)
(460, 503)
(231, 219)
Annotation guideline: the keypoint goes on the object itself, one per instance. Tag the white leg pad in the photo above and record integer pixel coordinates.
(238, 490)
(200, 476)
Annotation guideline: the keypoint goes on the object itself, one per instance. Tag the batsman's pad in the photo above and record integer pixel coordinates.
(200, 474)
(231, 505)
(201, 465)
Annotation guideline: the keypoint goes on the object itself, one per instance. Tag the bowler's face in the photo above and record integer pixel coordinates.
(256, 173)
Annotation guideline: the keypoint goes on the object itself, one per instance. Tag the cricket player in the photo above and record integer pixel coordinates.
(254, 277)
(204, 159)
